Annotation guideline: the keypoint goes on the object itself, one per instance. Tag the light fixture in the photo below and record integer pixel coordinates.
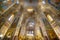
(9, 36)
(43, 2)
(30, 35)
(1, 35)
(49, 18)
(31, 24)
(29, 9)
(11, 17)
(17, 2)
